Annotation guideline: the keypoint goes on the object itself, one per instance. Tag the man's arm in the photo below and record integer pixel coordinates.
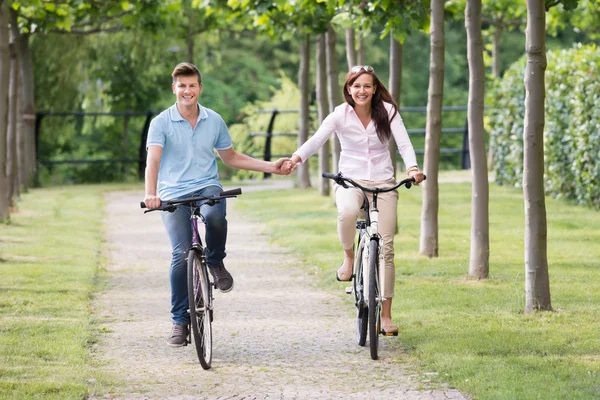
(151, 178)
(238, 160)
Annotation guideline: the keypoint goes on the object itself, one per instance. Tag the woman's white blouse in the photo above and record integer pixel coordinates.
(363, 155)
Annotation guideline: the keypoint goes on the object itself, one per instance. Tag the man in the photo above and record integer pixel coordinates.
(181, 163)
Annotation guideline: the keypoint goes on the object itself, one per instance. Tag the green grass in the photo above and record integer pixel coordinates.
(474, 334)
(50, 261)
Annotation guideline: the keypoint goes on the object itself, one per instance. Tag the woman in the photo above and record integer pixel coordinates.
(364, 125)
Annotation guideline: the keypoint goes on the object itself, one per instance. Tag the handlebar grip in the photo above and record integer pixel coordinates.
(329, 175)
(232, 192)
(142, 204)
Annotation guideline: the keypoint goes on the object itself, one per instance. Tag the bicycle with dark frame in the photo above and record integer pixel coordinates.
(199, 283)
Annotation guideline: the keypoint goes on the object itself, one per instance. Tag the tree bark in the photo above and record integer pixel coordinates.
(13, 109)
(350, 48)
(360, 52)
(480, 241)
(4, 85)
(395, 85)
(334, 92)
(190, 47)
(26, 126)
(537, 283)
(322, 110)
(429, 214)
(303, 169)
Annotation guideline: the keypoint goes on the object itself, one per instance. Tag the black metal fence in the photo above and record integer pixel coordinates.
(140, 160)
(269, 135)
(463, 151)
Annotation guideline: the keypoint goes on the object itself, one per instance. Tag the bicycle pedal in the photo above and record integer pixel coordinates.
(384, 333)
(349, 290)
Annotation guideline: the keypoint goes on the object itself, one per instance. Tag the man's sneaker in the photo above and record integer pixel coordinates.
(222, 277)
(179, 334)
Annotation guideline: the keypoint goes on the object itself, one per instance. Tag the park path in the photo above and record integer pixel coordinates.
(276, 334)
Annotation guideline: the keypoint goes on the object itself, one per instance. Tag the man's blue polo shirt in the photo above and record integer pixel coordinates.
(188, 160)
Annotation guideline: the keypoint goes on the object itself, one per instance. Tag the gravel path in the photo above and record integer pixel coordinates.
(276, 335)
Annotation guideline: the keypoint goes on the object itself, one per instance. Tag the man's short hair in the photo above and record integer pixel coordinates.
(186, 69)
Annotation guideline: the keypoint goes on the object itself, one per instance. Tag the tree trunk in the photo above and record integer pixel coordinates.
(13, 108)
(360, 53)
(537, 284)
(395, 84)
(190, 47)
(350, 48)
(496, 63)
(480, 241)
(26, 126)
(4, 85)
(429, 214)
(303, 170)
(334, 92)
(323, 110)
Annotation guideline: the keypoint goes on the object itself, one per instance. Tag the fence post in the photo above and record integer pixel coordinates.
(267, 155)
(142, 150)
(38, 127)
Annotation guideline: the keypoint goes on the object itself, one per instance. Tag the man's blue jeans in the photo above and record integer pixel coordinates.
(179, 229)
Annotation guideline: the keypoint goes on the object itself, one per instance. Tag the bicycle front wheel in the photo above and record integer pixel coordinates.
(373, 300)
(200, 300)
(362, 312)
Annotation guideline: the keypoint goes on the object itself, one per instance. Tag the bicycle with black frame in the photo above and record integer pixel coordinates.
(199, 282)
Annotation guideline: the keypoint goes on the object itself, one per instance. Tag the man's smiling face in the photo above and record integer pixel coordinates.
(187, 89)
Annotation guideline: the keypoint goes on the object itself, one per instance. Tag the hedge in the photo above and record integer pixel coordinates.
(571, 131)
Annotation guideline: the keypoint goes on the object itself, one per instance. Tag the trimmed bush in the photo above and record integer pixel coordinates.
(571, 131)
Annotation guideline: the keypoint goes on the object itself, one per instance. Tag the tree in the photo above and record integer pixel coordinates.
(13, 109)
(429, 214)
(480, 243)
(537, 281)
(333, 91)
(395, 85)
(303, 169)
(322, 110)
(4, 85)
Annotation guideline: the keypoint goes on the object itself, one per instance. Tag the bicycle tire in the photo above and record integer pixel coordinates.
(199, 295)
(374, 304)
(362, 313)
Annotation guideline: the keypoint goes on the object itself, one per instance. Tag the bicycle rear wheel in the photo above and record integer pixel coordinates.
(373, 301)
(362, 312)
(200, 300)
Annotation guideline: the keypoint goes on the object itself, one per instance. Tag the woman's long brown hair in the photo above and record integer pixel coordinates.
(379, 114)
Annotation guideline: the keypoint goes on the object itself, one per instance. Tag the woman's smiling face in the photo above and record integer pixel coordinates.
(362, 90)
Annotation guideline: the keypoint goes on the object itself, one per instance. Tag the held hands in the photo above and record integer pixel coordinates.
(284, 166)
(289, 166)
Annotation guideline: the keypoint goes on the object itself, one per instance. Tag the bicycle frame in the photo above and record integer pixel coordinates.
(199, 284)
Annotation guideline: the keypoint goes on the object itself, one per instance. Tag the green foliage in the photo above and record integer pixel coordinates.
(572, 128)
(256, 118)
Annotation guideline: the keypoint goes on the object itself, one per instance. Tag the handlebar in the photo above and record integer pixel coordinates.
(342, 180)
(171, 205)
